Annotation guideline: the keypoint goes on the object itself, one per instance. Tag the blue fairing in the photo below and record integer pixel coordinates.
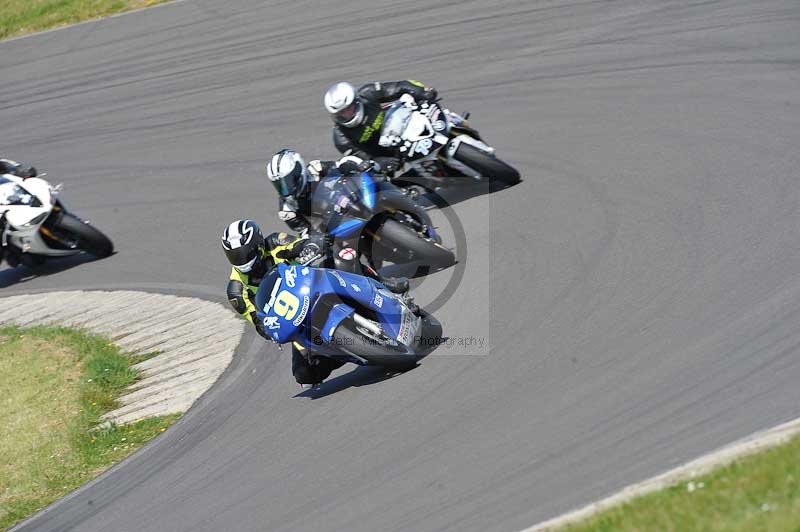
(336, 316)
(283, 300)
(369, 293)
(368, 190)
(348, 227)
(287, 300)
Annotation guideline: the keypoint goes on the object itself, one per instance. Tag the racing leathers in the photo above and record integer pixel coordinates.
(307, 368)
(362, 140)
(7, 166)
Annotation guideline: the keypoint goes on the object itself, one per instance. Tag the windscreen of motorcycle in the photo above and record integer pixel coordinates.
(283, 301)
(13, 194)
(394, 125)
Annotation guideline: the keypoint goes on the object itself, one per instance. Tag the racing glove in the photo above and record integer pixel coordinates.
(342, 205)
(259, 323)
(430, 94)
(390, 165)
(369, 166)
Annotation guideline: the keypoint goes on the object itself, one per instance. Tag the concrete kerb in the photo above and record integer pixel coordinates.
(192, 353)
(749, 445)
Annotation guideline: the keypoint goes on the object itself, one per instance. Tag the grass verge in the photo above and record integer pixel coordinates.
(55, 383)
(19, 17)
(760, 492)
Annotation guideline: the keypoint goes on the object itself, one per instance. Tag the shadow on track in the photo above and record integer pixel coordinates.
(360, 376)
(449, 196)
(22, 274)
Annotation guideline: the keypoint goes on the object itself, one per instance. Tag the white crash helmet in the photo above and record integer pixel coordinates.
(344, 105)
(288, 173)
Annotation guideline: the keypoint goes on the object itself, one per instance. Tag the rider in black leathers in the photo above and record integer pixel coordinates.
(7, 166)
(358, 116)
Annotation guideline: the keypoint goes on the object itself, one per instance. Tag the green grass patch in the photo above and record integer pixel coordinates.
(757, 493)
(18, 17)
(55, 384)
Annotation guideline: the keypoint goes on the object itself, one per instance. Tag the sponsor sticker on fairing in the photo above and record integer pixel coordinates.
(408, 328)
(338, 277)
(303, 312)
(291, 276)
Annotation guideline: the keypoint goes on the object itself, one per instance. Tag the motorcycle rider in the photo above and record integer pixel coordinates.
(253, 256)
(295, 183)
(358, 116)
(7, 166)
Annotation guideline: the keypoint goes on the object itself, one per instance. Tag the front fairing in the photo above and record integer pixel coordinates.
(417, 132)
(286, 300)
(369, 294)
(332, 189)
(283, 299)
(25, 202)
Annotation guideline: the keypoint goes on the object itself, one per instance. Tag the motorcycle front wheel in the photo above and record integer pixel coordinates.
(399, 357)
(85, 236)
(488, 165)
(401, 244)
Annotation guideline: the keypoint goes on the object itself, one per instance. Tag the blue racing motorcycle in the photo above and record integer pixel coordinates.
(378, 218)
(344, 316)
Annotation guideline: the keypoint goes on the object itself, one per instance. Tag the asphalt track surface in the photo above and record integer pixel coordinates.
(638, 293)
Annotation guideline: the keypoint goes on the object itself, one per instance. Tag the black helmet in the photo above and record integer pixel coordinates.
(243, 244)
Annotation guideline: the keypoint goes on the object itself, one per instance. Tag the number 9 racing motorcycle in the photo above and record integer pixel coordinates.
(35, 225)
(344, 316)
(437, 144)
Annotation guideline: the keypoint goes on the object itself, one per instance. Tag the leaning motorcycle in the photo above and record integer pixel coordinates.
(36, 225)
(439, 146)
(379, 220)
(344, 316)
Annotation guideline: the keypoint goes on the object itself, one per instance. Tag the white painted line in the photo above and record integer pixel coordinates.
(195, 340)
(739, 449)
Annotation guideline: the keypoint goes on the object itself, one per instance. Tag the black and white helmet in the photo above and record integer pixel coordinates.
(343, 104)
(288, 173)
(243, 243)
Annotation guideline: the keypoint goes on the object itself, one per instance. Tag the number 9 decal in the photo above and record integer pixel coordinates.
(286, 305)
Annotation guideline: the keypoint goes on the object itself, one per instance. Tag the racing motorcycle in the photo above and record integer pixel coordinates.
(379, 220)
(344, 316)
(439, 146)
(35, 225)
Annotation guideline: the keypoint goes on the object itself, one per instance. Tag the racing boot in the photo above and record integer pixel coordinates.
(397, 285)
(12, 256)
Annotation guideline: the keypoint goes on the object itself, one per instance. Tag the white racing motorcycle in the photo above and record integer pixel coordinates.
(437, 144)
(35, 225)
